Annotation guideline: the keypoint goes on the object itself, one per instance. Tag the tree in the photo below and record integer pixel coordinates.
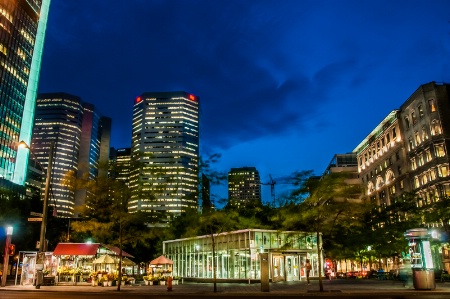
(214, 224)
(388, 224)
(14, 211)
(209, 177)
(105, 217)
(438, 212)
(325, 207)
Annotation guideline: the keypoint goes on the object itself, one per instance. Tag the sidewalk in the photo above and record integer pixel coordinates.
(341, 286)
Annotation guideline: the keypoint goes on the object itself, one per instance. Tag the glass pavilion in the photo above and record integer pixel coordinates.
(237, 255)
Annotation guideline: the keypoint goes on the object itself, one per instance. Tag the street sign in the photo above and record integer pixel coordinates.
(35, 214)
(34, 219)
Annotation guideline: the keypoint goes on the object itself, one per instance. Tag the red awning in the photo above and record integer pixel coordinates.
(117, 251)
(76, 249)
(161, 260)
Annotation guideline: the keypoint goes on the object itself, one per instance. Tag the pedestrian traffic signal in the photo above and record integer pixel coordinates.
(11, 249)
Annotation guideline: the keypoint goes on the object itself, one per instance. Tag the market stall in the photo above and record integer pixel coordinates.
(161, 268)
(83, 263)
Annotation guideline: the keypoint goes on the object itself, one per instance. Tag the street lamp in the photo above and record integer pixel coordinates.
(42, 242)
(9, 232)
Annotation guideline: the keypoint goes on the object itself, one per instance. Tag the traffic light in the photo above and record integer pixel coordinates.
(11, 249)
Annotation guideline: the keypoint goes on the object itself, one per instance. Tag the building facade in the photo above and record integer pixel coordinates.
(426, 131)
(237, 255)
(382, 161)
(22, 35)
(60, 120)
(165, 150)
(120, 163)
(244, 186)
(408, 150)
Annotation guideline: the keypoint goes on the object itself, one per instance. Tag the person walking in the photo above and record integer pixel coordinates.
(307, 269)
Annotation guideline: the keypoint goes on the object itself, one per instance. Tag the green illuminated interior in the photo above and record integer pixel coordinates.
(26, 130)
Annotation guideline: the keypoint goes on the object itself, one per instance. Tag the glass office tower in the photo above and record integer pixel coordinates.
(22, 34)
(77, 130)
(164, 152)
(59, 119)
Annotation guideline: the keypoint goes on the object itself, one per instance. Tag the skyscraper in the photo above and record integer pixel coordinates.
(22, 34)
(94, 148)
(165, 147)
(120, 164)
(75, 129)
(58, 120)
(244, 186)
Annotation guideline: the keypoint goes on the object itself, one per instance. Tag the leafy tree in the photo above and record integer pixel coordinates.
(105, 217)
(214, 224)
(388, 224)
(438, 212)
(326, 206)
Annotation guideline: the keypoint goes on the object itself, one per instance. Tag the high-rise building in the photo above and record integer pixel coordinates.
(22, 34)
(94, 149)
(409, 150)
(348, 164)
(244, 186)
(165, 150)
(120, 163)
(382, 161)
(75, 129)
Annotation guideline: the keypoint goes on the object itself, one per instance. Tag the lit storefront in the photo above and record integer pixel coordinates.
(71, 263)
(237, 255)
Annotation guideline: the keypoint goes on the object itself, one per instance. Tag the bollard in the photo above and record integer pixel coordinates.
(169, 283)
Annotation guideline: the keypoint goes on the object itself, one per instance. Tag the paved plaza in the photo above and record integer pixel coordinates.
(337, 286)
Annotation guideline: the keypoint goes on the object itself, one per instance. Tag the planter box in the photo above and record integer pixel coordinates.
(175, 282)
(162, 282)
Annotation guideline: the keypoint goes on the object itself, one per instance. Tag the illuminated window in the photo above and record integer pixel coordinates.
(394, 133)
(435, 128)
(428, 155)
(408, 125)
(424, 133)
(443, 170)
(416, 182)
(392, 190)
(410, 144)
(420, 109)
(431, 105)
(417, 137)
(413, 164)
(433, 174)
(439, 150)
(413, 118)
(421, 160)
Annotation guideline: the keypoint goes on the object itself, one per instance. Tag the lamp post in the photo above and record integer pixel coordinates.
(9, 232)
(42, 242)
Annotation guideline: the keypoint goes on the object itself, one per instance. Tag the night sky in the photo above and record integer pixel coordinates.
(283, 84)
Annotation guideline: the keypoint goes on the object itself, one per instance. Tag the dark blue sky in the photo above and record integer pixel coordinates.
(284, 84)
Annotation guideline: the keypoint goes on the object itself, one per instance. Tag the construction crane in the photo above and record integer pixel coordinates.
(285, 180)
(272, 188)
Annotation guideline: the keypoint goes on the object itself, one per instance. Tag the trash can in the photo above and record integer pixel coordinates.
(421, 258)
(423, 279)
